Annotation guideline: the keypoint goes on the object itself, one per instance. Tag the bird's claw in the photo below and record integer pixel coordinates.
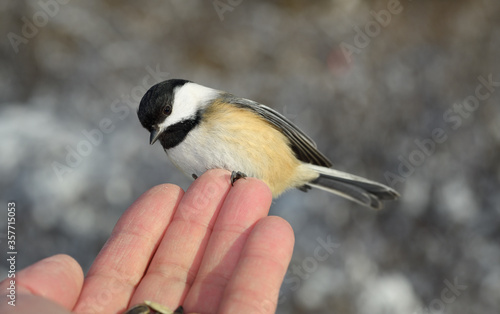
(236, 175)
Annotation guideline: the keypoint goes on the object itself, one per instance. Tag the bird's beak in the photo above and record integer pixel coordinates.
(154, 136)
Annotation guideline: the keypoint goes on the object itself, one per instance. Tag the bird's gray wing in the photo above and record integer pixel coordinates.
(302, 145)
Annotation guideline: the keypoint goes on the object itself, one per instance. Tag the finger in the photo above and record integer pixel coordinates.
(176, 262)
(124, 258)
(58, 278)
(255, 283)
(29, 303)
(246, 203)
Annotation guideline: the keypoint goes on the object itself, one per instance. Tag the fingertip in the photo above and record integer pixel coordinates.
(71, 265)
(217, 181)
(213, 185)
(272, 238)
(254, 185)
(156, 199)
(255, 188)
(261, 187)
(278, 229)
(28, 303)
(58, 278)
(165, 188)
(220, 175)
(276, 223)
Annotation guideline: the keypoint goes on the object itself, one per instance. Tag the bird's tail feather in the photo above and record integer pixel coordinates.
(358, 189)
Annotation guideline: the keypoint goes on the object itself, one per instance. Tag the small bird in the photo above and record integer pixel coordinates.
(201, 128)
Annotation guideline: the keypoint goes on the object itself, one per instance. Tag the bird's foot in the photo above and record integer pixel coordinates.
(236, 175)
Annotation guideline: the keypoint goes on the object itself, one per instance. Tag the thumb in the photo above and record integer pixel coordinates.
(58, 278)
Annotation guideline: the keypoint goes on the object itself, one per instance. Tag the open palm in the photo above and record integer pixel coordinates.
(212, 249)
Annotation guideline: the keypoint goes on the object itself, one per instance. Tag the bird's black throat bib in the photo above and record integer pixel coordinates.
(176, 133)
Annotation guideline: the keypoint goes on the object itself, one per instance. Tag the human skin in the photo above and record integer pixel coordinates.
(212, 249)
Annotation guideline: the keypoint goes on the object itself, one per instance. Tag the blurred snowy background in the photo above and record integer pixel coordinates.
(394, 91)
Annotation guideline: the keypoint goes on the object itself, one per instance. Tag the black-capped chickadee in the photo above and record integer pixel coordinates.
(201, 128)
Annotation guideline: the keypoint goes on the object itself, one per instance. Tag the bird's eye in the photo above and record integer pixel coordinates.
(167, 110)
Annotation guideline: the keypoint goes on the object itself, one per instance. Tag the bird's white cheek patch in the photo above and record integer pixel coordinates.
(188, 100)
(164, 125)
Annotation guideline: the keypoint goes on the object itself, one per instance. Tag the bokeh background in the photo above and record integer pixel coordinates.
(389, 90)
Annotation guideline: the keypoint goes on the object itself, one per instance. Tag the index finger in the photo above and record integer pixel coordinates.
(120, 265)
(176, 262)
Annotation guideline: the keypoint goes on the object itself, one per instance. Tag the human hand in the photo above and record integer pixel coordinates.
(212, 249)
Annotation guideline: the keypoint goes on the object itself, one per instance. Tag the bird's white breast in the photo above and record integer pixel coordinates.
(202, 150)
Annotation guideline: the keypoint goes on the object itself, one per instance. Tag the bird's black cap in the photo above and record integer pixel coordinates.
(154, 100)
